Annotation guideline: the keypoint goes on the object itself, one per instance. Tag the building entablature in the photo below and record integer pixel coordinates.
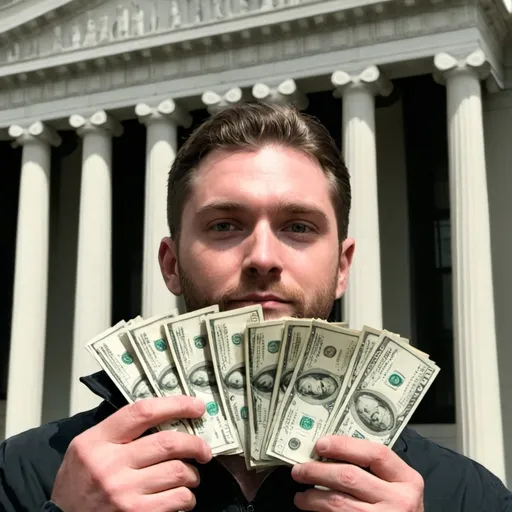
(113, 55)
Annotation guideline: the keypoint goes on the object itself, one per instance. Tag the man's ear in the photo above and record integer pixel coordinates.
(168, 259)
(346, 254)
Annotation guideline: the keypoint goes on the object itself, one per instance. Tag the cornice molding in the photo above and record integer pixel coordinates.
(300, 50)
(90, 37)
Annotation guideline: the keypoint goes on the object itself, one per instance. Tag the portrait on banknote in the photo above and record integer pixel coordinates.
(235, 379)
(263, 382)
(141, 389)
(202, 377)
(168, 379)
(373, 411)
(317, 386)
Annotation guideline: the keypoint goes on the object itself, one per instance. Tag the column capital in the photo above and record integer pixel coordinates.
(447, 65)
(215, 102)
(371, 79)
(284, 93)
(165, 110)
(99, 121)
(37, 131)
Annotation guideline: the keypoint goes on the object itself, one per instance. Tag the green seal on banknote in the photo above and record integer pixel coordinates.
(396, 380)
(244, 413)
(273, 346)
(237, 338)
(127, 358)
(160, 345)
(212, 408)
(199, 341)
(306, 422)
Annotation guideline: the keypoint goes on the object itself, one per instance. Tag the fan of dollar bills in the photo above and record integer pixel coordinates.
(271, 388)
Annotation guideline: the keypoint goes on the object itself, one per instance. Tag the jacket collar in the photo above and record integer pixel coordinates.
(101, 385)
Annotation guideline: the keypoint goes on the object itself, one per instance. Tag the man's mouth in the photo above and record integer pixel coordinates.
(266, 300)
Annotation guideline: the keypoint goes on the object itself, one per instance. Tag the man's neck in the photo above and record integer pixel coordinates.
(249, 481)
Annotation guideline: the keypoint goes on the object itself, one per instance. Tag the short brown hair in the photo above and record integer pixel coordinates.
(251, 126)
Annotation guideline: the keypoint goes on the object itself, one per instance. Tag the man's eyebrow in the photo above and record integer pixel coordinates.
(289, 207)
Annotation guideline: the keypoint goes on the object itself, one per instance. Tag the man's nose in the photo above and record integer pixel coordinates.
(264, 253)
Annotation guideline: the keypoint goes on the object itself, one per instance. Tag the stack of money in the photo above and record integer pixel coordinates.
(271, 388)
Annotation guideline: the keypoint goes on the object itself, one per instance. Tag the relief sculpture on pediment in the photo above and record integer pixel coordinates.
(127, 19)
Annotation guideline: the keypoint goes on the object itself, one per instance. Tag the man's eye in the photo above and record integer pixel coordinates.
(298, 227)
(223, 226)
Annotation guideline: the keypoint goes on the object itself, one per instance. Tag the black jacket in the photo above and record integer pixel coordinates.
(29, 463)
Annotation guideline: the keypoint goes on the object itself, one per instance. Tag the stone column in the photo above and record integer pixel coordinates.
(363, 298)
(94, 263)
(162, 123)
(28, 331)
(479, 420)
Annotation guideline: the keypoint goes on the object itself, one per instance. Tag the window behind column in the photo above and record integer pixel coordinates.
(424, 109)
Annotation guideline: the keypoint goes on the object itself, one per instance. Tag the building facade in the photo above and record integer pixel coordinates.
(96, 96)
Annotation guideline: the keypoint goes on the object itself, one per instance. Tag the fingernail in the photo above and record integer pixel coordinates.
(296, 470)
(322, 445)
(208, 454)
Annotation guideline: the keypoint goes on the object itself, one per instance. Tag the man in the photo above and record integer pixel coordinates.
(258, 208)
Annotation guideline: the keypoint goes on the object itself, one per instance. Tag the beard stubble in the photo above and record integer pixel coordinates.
(318, 306)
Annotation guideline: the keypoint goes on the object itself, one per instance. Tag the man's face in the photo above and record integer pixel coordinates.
(259, 228)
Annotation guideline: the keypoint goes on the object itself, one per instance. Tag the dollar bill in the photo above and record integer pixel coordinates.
(295, 336)
(151, 345)
(113, 351)
(226, 331)
(386, 393)
(192, 355)
(120, 363)
(318, 383)
(263, 342)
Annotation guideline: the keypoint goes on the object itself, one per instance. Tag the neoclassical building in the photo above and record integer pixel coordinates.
(97, 95)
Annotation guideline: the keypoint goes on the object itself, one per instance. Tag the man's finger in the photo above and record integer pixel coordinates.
(346, 478)
(315, 500)
(167, 475)
(174, 500)
(379, 459)
(131, 421)
(167, 445)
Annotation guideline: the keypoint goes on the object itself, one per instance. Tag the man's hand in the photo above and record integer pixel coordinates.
(107, 468)
(387, 484)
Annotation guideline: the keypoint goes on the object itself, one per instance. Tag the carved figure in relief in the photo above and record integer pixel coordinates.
(137, 21)
(217, 11)
(175, 20)
(76, 36)
(266, 5)
(244, 6)
(57, 39)
(153, 22)
(104, 30)
(198, 11)
(228, 10)
(122, 24)
(13, 54)
(90, 33)
(33, 49)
